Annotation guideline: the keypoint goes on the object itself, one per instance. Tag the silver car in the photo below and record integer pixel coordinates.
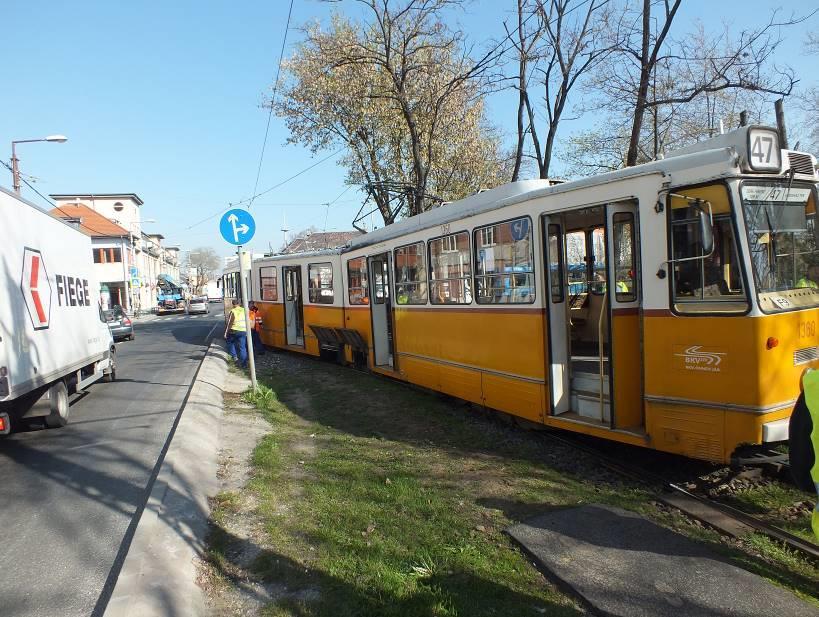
(198, 305)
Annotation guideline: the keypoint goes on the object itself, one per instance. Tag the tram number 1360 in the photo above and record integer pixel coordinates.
(807, 329)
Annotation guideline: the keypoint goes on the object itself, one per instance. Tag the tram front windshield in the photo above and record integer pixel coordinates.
(781, 221)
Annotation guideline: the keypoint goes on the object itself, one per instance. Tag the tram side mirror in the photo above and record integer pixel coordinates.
(706, 229)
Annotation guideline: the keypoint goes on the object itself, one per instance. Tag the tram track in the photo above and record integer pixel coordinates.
(722, 517)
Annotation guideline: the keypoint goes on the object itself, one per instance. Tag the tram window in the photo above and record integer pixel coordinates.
(597, 284)
(320, 283)
(556, 263)
(625, 263)
(269, 283)
(505, 269)
(410, 274)
(357, 281)
(450, 269)
(576, 260)
(716, 279)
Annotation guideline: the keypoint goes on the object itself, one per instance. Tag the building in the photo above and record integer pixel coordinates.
(320, 240)
(141, 256)
(111, 246)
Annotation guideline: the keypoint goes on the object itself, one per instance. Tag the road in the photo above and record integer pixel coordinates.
(68, 497)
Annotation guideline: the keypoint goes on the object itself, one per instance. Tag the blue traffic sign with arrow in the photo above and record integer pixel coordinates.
(237, 226)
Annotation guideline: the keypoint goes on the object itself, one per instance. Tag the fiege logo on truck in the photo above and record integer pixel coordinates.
(37, 291)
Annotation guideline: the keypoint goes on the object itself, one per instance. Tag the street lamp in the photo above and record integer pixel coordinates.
(15, 170)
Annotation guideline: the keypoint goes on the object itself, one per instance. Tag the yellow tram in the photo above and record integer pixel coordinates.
(671, 305)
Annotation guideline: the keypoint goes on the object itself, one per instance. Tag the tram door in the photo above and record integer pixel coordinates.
(622, 229)
(293, 305)
(381, 309)
(558, 312)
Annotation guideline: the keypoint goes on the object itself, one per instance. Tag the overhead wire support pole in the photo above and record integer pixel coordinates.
(251, 361)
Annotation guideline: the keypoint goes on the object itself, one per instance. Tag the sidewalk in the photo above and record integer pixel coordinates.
(158, 576)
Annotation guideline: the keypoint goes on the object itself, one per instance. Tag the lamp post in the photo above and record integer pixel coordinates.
(15, 168)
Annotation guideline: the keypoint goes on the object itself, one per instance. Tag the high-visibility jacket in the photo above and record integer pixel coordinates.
(256, 317)
(803, 440)
(239, 324)
(806, 282)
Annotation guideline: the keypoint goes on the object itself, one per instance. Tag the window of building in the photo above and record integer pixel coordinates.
(410, 274)
(450, 269)
(118, 207)
(320, 283)
(357, 281)
(107, 255)
(625, 260)
(269, 283)
(505, 270)
(701, 283)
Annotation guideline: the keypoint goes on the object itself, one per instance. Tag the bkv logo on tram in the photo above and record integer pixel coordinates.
(698, 358)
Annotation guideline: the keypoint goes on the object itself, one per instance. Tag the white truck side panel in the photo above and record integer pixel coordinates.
(49, 299)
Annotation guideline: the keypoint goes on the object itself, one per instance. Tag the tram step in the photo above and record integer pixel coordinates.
(588, 406)
(589, 382)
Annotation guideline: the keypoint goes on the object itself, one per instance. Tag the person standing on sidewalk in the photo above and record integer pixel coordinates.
(236, 334)
(256, 333)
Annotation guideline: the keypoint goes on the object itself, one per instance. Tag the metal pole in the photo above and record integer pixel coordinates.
(15, 170)
(251, 361)
(780, 123)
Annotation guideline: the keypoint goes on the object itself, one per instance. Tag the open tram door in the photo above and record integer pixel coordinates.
(378, 267)
(293, 306)
(593, 299)
(625, 331)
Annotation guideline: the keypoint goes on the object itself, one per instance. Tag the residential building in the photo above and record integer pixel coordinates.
(142, 256)
(111, 245)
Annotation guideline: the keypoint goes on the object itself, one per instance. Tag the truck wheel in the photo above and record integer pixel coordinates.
(58, 397)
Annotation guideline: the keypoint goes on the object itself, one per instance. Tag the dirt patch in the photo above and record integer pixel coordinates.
(234, 590)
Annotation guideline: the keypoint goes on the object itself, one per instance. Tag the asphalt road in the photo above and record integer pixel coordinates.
(68, 496)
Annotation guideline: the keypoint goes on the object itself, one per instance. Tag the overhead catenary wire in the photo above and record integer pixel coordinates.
(272, 98)
(272, 188)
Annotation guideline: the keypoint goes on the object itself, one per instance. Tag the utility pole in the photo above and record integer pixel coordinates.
(251, 361)
(15, 169)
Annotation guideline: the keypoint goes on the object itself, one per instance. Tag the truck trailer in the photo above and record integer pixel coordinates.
(54, 341)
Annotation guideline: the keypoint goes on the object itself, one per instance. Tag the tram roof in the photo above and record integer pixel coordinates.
(524, 190)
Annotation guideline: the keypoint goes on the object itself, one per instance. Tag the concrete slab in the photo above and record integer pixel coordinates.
(620, 563)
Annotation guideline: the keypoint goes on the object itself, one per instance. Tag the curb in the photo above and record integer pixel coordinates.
(158, 576)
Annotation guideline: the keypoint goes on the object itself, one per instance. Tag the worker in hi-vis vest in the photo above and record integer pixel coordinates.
(236, 334)
(803, 440)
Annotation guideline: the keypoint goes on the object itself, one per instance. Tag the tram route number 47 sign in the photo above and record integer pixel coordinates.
(237, 226)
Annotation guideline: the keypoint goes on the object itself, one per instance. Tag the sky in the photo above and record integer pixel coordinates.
(163, 99)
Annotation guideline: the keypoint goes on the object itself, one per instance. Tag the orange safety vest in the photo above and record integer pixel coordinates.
(257, 319)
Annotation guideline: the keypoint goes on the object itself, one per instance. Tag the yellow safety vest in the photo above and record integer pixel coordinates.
(806, 282)
(810, 383)
(239, 324)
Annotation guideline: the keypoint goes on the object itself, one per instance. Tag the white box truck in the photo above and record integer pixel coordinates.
(53, 338)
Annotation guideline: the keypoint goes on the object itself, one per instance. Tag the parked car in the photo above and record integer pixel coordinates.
(119, 323)
(198, 305)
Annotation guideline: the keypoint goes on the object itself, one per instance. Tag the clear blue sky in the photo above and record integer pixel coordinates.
(163, 99)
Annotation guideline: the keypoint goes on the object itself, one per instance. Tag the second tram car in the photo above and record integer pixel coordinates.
(672, 305)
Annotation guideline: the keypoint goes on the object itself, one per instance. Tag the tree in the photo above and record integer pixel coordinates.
(555, 52)
(656, 92)
(740, 64)
(202, 265)
(402, 95)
